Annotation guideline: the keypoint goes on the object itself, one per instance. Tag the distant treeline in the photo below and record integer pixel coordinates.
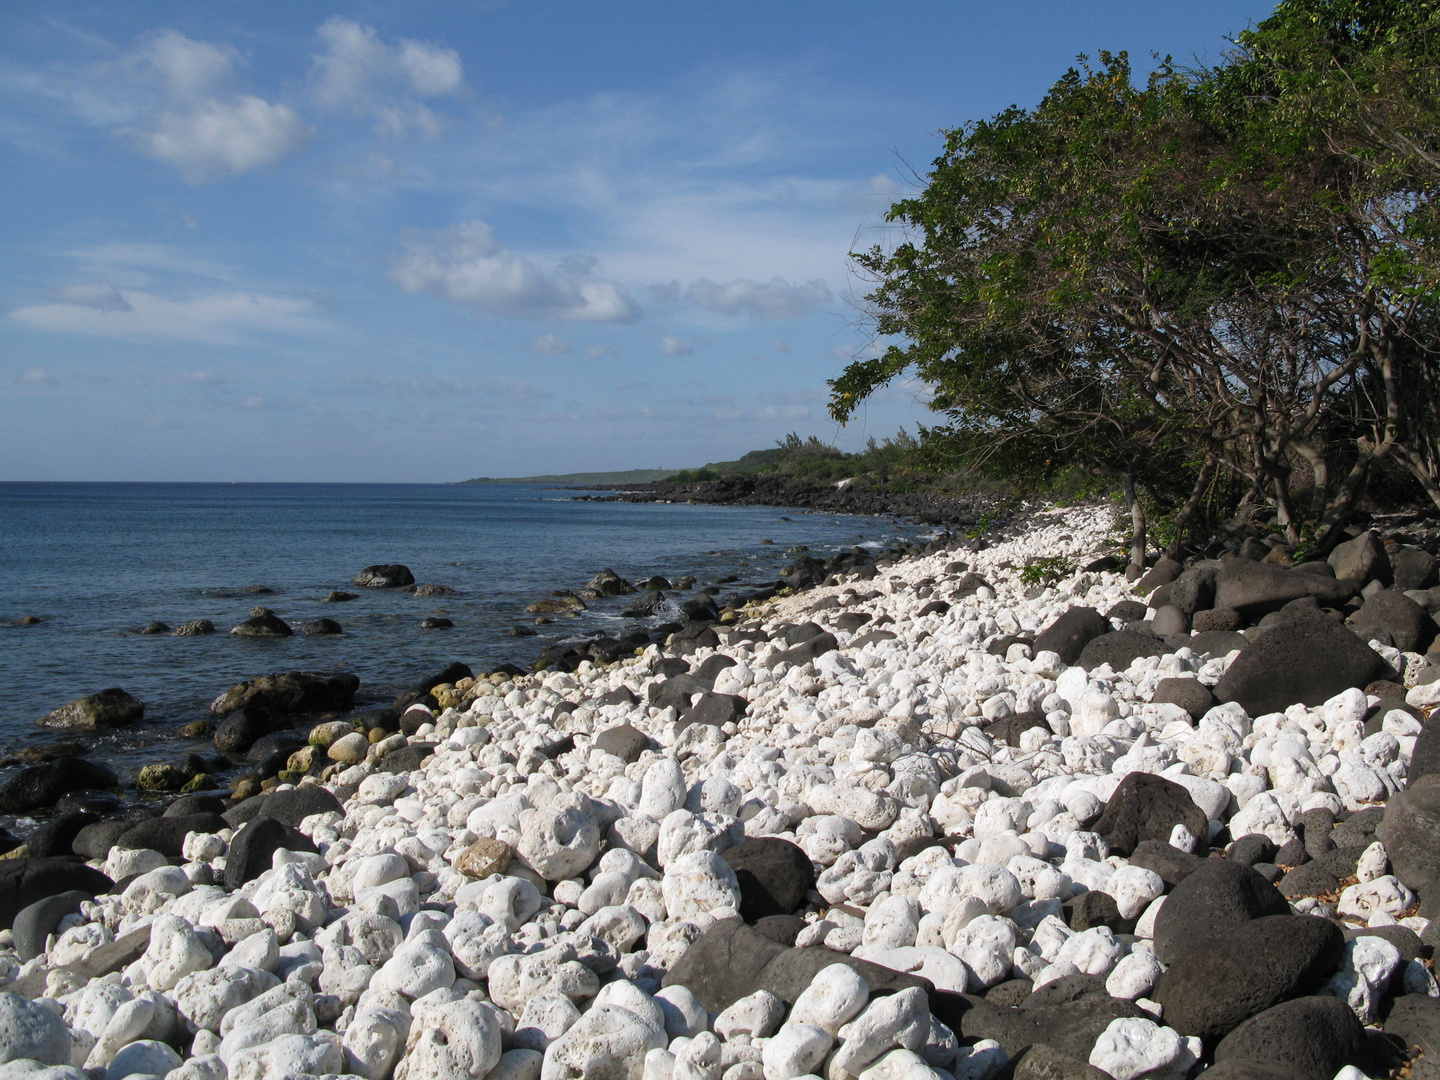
(1218, 288)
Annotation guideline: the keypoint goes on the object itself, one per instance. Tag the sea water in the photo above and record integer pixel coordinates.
(97, 561)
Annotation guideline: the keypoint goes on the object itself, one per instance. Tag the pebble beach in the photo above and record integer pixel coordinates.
(937, 820)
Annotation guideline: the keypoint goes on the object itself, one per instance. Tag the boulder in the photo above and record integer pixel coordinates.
(31, 1033)
(36, 922)
(1410, 626)
(607, 583)
(385, 576)
(167, 834)
(1415, 1018)
(625, 741)
(194, 628)
(112, 708)
(253, 847)
(1042, 1062)
(1414, 568)
(1146, 806)
(56, 836)
(25, 881)
(1230, 976)
(1362, 559)
(1317, 1036)
(808, 650)
(715, 710)
(774, 876)
(1120, 649)
(1194, 590)
(1217, 896)
(1071, 632)
(1190, 694)
(294, 806)
(676, 691)
(1164, 572)
(1172, 864)
(322, 628)
(290, 692)
(1306, 659)
(1256, 589)
(95, 841)
(40, 786)
(1410, 831)
(263, 626)
(1071, 1028)
(724, 964)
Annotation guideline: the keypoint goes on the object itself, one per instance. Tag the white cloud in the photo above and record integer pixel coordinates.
(359, 73)
(101, 296)
(549, 345)
(775, 299)
(217, 137)
(185, 67)
(467, 266)
(596, 351)
(216, 319)
(673, 347)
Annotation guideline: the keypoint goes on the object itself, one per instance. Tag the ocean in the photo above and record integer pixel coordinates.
(96, 561)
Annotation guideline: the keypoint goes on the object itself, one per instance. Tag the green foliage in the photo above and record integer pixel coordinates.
(1203, 283)
(1045, 571)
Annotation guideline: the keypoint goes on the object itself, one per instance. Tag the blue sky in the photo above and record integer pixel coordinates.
(427, 241)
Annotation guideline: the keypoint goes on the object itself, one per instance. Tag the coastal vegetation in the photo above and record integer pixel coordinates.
(1214, 289)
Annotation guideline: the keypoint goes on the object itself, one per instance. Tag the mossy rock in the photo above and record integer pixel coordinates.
(161, 778)
(322, 735)
(198, 729)
(198, 782)
(302, 760)
(246, 789)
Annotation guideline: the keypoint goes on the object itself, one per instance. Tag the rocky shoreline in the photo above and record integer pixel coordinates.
(845, 497)
(924, 816)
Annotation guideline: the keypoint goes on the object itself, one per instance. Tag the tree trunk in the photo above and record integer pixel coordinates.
(1186, 512)
(1137, 521)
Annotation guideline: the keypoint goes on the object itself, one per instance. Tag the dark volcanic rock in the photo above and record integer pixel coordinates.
(1408, 624)
(56, 836)
(385, 576)
(1251, 849)
(1256, 589)
(1120, 649)
(789, 973)
(1190, 694)
(1311, 879)
(1070, 1028)
(244, 728)
(25, 881)
(1147, 807)
(1071, 632)
(1172, 864)
(724, 964)
(290, 692)
(1127, 611)
(1415, 1018)
(40, 786)
(781, 929)
(774, 876)
(1317, 1036)
(1218, 896)
(1230, 976)
(265, 626)
(1308, 659)
(1414, 568)
(625, 741)
(1194, 590)
(1217, 642)
(405, 759)
(167, 834)
(111, 708)
(676, 691)
(194, 628)
(1041, 1062)
(1216, 619)
(1410, 831)
(95, 841)
(338, 596)
(715, 710)
(253, 846)
(294, 806)
(1094, 908)
(808, 650)
(1236, 1069)
(34, 923)
(199, 803)
(322, 628)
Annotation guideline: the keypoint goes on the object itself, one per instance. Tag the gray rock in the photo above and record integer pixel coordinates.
(291, 692)
(1226, 978)
(1416, 1019)
(39, 786)
(95, 841)
(264, 626)
(625, 741)
(1041, 1062)
(28, 1030)
(774, 876)
(1194, 590)
(1362, 559)
(1409, 625)
(1256, 589)
(1414, 568)
(1218, 896)
(715, 710)
(1170, 619)
(1312, 879)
